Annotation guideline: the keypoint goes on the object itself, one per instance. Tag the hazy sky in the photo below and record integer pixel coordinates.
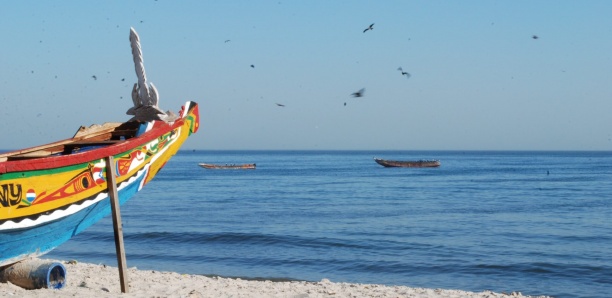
(480, 79)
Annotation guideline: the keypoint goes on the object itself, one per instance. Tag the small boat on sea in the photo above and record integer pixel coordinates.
(249, 166)
(408, 164)
(52, 192)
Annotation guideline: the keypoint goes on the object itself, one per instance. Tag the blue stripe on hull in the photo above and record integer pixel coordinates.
(41, 239)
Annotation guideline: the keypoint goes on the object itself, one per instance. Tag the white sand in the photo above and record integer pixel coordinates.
(90, 280)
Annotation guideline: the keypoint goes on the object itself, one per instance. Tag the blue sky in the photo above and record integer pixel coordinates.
(479, 80)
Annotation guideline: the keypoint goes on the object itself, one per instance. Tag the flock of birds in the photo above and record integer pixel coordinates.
(356, 94)
(361, 91)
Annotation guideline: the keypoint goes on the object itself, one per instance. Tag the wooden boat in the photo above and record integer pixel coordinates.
(408, 164)
(250, 166)
(52, 192)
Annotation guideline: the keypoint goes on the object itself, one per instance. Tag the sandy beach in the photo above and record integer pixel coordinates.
(99, 280)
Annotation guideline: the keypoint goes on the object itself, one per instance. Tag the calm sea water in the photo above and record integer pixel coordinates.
(535, 222)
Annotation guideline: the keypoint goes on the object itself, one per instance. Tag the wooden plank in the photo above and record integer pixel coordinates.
(82, 134)
(43, 148)
(35, 154)
(117, 225)
(95, 129)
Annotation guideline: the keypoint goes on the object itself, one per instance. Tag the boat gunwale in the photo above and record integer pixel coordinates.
(55, 161)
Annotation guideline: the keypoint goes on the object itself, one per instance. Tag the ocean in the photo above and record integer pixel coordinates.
(535, 222)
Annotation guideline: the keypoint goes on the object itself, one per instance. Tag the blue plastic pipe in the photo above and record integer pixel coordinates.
(35, 274)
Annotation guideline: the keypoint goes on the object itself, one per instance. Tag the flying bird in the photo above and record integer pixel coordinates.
(252, 66)
(371, 27)
(280, 104)
(403, 72)
(227, 40)
(358, 93)
(535, 37)
(94, 77)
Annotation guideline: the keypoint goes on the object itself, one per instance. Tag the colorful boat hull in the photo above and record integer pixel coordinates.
(45, 201)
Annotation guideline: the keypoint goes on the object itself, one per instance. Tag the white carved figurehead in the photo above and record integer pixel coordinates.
(144, 95)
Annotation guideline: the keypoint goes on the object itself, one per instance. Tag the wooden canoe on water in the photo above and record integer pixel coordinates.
(52, 192)
(250, 166)
(408, 164)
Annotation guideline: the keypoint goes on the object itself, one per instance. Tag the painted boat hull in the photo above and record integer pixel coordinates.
(408, 164)
(46, 201)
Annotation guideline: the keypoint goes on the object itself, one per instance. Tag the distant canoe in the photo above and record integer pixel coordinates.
(408, 164)
(249, 166)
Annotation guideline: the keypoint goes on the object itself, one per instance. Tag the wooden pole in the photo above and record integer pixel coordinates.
(117, 226)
